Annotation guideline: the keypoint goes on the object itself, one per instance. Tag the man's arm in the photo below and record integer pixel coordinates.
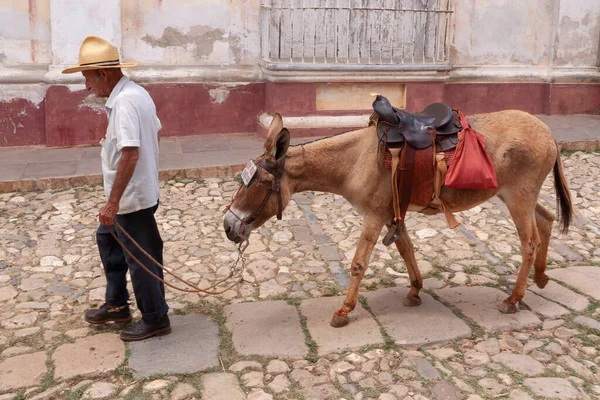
(127, 163)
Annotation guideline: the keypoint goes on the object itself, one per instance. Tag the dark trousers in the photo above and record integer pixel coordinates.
(149, 292)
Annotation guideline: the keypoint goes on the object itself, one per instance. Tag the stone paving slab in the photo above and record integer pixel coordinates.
(194, 336)
(47, 394)
(88, 356)
(481, 303)
(429, 323)
(100, 390)
(266, 328)
(584, 279)
(540, 305)
(444, 390)
(22, 371)
(361, 331)
(521, 363)
(221, 386)
(588, 322)
(552, 388)
(560, 294)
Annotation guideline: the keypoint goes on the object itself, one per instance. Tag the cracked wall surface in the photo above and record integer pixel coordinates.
(183, 32)
(200, 59)
(578, 35)
(179, 33)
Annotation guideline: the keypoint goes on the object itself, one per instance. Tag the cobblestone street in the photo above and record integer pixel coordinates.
(269, 338)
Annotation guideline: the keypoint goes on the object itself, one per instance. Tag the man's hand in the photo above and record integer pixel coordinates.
(125, 169)
(108, 212)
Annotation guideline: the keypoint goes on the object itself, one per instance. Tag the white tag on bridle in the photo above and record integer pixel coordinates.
(248, 172)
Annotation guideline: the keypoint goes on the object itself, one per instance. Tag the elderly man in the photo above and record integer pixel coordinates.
(130, 174)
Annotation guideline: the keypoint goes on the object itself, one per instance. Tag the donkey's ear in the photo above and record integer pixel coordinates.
(274, 129)
(276, 125)
(277, 140)
(279, 147)
(283, 142)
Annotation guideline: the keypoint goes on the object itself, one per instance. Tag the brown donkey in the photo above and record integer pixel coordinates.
(520, 146)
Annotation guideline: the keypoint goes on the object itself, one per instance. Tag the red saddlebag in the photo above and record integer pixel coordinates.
(472, 167)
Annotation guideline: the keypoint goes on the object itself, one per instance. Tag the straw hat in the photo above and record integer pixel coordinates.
(97, 53)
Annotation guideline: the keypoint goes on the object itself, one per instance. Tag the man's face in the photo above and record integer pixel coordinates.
(97, 81)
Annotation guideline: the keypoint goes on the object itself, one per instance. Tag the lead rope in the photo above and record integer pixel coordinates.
(241, 248)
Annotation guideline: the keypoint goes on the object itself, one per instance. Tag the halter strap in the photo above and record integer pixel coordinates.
(277, 173)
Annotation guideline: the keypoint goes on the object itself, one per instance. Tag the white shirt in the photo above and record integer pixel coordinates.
(132, 122)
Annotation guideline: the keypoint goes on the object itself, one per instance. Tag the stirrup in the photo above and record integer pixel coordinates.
(392, 235)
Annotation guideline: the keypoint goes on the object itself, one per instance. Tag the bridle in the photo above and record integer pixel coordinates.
(277, 172)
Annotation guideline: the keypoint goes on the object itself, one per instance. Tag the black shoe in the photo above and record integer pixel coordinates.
(143, 330)
(107, 313)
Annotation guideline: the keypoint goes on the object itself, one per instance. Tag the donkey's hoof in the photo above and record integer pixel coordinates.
(411, 301)
(339, 320)
(507, 307)
(541, 281)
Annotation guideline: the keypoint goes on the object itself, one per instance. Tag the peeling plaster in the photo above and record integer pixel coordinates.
(149, 28)
(75, 87)
(567, 23)
(94, 103)
(236, 45)
(219, 95)
(244, 30)
(90, 101)
(574, 40)
(15, 127)
(586, 20)
(35, 94)
(202, 36)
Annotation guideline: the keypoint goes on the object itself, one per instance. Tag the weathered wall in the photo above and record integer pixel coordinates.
(578, 34)
(73, 20)
(184, 39)
(201, 60)
(25, 47)
(530, 33)
(184, 32)
(503, 32)
(25, 32)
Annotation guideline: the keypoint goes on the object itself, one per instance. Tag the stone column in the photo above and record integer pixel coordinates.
(71, 22)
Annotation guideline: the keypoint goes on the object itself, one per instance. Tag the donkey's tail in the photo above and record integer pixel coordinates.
(564, 205)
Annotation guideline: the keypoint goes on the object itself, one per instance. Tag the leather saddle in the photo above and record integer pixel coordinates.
(415, 142)
(397, 126)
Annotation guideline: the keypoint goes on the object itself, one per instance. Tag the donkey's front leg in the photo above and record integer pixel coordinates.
(368, 238)
(407, 251)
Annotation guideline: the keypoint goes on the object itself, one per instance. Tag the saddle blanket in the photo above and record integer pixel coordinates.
(423, 175)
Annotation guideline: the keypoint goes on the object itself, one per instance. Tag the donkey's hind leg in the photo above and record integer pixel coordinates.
(522, 210)
(407, 251)
(544, 220)
(366, 243)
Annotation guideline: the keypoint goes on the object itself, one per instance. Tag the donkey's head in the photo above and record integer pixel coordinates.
(264, 191)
